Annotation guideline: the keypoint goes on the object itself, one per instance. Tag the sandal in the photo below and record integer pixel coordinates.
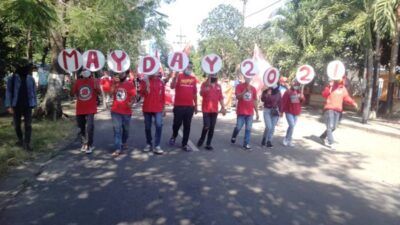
(116, 153)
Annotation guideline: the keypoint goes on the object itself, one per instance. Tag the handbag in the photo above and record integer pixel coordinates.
(274, 112)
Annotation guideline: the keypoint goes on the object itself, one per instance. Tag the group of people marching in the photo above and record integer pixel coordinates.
(20, 99)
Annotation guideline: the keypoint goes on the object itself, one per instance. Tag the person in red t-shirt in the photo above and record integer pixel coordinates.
(86, 90)
(123, 92)
(291, 106)
(153, 91)
(336, 94)
(105, 84)
(211, 92)
(185, 104)
(246, 95)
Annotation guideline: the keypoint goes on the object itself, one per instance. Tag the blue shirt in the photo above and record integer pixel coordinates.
(11, 99)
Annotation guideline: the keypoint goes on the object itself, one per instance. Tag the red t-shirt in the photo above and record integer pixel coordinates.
(154, 101)
(291, 102)
(105, 83)
(245, 105)
(336, 97)
(185, 90)
(86, 95)
(123, 95)
(211, 97)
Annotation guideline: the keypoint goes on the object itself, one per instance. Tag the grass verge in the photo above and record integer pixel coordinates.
(45, 136)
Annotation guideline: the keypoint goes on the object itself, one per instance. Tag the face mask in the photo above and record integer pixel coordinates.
(187, 72)
(122, 77)
(296, 87)
(213, 79)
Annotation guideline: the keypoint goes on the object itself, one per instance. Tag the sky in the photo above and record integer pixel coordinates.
(185, 16)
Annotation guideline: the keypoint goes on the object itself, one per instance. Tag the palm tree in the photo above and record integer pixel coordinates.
(387, 17)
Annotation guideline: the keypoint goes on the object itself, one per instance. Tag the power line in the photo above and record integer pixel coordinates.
(254, 13)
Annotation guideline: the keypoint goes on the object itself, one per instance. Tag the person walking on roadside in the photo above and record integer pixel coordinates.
(152, 89)
(291, 106)
(124, 93)
(105, 84)
(246, 94)
(271, 97)
(20, 100)
(185, 104)
(335, 94)
(86, 90)
(211, 92)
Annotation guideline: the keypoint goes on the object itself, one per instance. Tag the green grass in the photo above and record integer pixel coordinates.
(45, 136)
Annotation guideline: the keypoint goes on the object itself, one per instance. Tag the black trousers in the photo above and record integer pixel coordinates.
(27, 114)
(182, 114)
(86, 127)
(209, 121)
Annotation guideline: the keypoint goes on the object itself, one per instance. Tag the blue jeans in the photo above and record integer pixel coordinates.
(148, 120)
(248, 122)
(291, 120)
(121, 129)
(270, 123)
(331, 121)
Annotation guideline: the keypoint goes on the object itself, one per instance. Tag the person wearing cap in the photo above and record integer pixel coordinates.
(335, 94)
(105, 84)
(211, 92)
(185, 104)
(152, 88)
(291, 106)
(124, 93)
(246, 94)
(86, 90)
(20, 100)
(271, 97)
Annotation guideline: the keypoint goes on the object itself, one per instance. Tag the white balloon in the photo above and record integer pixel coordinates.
(249, 68)
(336, 70)
(305, 74)
(178, 61)
(118, 61)
(70, 60)
(148, 69)
(96, 62)
(211, 64)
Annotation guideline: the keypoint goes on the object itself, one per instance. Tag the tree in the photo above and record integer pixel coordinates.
(387, 17)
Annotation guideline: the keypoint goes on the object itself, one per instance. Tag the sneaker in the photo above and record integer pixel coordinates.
(172, 141)
(291, 144)
(186, 148)
(233, 140)
(89, 149)
(329, 145)
(83, 148)
(28, 147)
(247, 147)
(263, 142)
(148, 148)
(116, 153)
(200, 143)
(209, 147)
(158, 150)
(285, 142)
(269, 144)
(323, 142)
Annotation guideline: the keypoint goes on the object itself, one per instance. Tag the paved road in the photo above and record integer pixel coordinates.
(358, 183)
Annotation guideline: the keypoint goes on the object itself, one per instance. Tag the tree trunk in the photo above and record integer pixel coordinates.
(393, 64)
(51, 107)
(29, 50)
(368, 87)
(377, 59)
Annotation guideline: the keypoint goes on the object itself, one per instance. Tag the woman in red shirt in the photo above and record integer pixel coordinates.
(211, 92)
(86, 90)
(124, 93)
(153, 91)
(291, 106)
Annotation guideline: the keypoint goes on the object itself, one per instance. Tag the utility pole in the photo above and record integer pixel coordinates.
(180, 37)
(244, 9)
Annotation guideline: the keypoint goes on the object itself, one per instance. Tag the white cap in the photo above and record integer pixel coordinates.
(86, 73)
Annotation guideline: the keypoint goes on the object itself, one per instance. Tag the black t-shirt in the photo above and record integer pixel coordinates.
(23, 94)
